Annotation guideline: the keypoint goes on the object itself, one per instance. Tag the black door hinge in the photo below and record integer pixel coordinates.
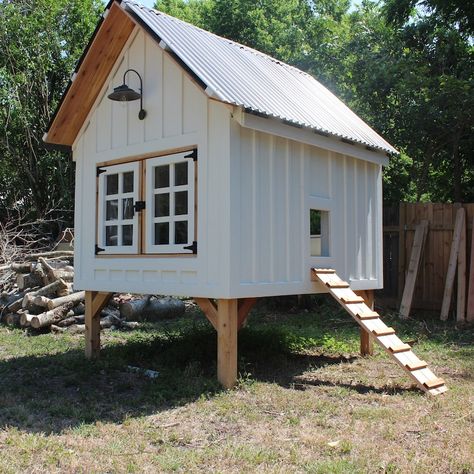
(139, 206)
(99, 171)
(193, 247)
(98, 249)
(193, 155)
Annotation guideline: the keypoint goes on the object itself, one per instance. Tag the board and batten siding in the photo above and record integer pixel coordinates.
(277, 182)
(178, 115)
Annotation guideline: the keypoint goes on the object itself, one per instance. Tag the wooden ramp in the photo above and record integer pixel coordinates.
(370, 321)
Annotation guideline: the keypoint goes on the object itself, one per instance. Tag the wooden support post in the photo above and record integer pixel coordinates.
(95, 302)
(245, 305)
(366, 340)
(209, 309)
(227, 321)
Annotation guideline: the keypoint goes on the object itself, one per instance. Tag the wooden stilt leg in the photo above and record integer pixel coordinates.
(95, 302)
(227, 321)
(366, 342)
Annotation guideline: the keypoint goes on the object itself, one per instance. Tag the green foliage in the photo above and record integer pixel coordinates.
(40, 42)
(411, 79)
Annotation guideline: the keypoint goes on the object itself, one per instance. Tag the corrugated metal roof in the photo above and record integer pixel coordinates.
(242, 76)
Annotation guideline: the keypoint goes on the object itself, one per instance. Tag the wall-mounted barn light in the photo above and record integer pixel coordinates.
(124, 93)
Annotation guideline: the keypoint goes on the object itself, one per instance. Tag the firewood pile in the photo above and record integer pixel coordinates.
(38, 294)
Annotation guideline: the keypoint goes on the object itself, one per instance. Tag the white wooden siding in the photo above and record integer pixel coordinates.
(254, 192)
(179, 115)
(278, 182)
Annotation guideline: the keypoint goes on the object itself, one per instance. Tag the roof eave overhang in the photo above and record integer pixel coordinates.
(285, 129)
(90, 74)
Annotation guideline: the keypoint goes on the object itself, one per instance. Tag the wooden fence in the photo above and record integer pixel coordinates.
(399, 223)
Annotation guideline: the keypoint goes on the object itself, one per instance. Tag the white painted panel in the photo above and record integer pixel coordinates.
(119, 110)
(295, 209)
(217, 190)
(278, 212)
(193, 100)
(246, 215)
(136, 61)
(172, 98)
(319, 172)
(263, 161)
(153, 91)
(352, 226)
(104, 124)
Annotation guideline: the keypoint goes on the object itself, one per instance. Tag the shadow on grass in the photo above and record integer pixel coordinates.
(56, 392)
(59, 391)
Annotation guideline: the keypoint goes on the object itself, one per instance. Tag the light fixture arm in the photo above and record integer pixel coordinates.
(142, 113)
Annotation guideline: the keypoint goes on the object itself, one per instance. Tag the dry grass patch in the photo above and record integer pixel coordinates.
(305, 403)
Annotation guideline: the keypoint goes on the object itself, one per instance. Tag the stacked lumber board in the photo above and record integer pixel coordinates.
(385, 336)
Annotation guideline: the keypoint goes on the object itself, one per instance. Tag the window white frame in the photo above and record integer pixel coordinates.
(120, 221)
(151, 217)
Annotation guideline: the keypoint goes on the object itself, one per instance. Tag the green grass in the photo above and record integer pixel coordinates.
(305, 401)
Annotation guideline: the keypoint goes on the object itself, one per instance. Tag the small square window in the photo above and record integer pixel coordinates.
(319, 232)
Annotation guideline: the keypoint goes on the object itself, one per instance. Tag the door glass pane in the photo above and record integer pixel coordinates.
(162, 233)
(162, 205)
(127, 235)
(181, 203)
(111, 210)
(111, 184)
(180, 174)
(127, 182)
(162, 176)
(181, 232)
(111, 232)
(127, 208)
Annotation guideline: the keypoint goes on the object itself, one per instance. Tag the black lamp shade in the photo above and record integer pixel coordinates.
(123, 93)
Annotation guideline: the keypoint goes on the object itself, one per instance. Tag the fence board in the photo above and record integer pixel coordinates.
(399, 228)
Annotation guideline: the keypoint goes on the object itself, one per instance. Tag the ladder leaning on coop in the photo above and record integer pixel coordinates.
(370, 321)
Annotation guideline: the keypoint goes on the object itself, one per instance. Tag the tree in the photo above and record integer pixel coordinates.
(40, 42)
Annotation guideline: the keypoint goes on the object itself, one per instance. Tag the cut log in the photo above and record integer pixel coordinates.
(57, 329)
(22, 267)
(25, 319)
(77, 329)
(79, 309)
(54, 254)
(54, 273)
(152, 309)
(42, 301)
(12, 319)
(73, 297)
(46, 290)
(130, 310)
(28, 280)
(51, 317)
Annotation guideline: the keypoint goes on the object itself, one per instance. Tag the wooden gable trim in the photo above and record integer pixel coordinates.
(90, 78)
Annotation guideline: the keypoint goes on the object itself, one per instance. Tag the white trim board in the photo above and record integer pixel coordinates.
(274, 127)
